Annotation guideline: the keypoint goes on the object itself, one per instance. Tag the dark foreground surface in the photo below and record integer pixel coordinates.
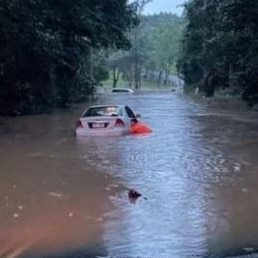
(63, 196)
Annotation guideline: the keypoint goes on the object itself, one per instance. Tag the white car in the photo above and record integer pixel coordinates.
(105, 120)
(122, 90)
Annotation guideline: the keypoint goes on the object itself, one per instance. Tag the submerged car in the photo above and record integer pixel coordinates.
(122, 90)
(105, 120)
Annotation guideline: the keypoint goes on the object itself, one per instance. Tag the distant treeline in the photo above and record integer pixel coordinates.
(153, 53)
(52, 49)
(46, 47)
(220, 47)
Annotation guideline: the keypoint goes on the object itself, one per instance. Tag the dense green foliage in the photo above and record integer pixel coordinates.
(220, 47)
(155, 48)
(52, 49)
(46, 45)
(163, 39)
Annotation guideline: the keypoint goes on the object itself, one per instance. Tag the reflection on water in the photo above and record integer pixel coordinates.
(61, 195)
(53, 191)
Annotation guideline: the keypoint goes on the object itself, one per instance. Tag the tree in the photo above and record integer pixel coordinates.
(137, 39)
(164, 39)
(155, 50)
(219, 47)
(43, 43)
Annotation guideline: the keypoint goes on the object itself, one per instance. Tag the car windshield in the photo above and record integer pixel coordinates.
(103, 111)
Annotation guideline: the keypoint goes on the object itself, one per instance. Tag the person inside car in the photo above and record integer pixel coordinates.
(138, 127)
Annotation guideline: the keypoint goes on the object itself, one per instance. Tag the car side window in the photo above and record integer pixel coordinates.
(129, 112)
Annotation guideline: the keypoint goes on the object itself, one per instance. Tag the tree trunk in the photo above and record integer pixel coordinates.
(116, 74)
(159, 77)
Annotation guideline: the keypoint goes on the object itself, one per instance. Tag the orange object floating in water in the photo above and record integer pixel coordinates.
(138, 127)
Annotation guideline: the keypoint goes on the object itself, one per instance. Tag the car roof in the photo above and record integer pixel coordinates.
(111, 105)
(123, 89)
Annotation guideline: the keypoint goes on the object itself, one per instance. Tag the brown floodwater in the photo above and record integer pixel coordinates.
(63, 196)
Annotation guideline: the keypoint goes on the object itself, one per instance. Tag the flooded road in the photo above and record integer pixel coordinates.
(62, 196)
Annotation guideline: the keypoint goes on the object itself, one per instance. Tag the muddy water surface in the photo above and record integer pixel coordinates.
(62, 196)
